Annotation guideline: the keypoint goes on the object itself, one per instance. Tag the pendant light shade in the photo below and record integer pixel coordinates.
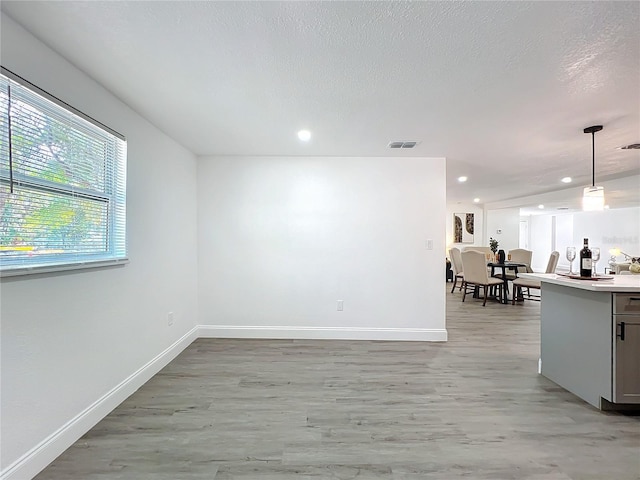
(593, 199)
(593, 196)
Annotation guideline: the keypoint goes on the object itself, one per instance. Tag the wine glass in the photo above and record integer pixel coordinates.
(595, 256)
(571, 256)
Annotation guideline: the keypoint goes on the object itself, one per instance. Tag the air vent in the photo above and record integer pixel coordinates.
(563, 208)
(402, 144)
(633, 146)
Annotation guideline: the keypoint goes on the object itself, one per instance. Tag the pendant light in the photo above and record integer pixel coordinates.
(593, 196)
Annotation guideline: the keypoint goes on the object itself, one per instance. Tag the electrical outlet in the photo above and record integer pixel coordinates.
(340, 305)
(170, 318)
(429, 244)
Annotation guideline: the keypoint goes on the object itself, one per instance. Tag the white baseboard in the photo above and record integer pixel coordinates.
(36, 459)
(323, 333)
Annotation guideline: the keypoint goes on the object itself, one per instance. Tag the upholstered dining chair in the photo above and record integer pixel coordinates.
(520, 255)
(474, 265)
(485, 250)
(528, 283)
(456, 259)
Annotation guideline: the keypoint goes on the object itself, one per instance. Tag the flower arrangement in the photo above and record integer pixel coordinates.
(493, 245)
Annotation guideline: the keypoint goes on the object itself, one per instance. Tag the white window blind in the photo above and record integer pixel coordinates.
(62, 184)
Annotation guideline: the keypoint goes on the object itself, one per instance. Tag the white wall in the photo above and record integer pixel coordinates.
(618, 228)
(507, 221)
(282, 239)
(541, 240)
(69, 339)
(608, 229)
(478, 217)
(562, 238)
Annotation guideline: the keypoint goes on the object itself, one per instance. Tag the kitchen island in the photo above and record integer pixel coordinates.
(590, 337)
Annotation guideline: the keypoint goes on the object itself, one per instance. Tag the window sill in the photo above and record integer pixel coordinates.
(19, 271)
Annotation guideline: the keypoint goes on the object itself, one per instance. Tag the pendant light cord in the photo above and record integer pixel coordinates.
(592, 130)
(593, 159)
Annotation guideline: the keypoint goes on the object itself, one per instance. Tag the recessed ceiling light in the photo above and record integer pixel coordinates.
(566, 180)
(462, 179)
(541, 206)
(606, 207)
(304, 135)
(476, 200)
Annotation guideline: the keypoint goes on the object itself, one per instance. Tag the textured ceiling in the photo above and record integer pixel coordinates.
(502, 89)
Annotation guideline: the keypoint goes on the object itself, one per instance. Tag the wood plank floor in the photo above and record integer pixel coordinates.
(472, 408)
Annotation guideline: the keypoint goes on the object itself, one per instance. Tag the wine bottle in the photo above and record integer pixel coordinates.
(585, 260)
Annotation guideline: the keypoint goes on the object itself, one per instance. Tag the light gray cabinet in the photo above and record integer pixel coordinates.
(590, 344)
(626, 348)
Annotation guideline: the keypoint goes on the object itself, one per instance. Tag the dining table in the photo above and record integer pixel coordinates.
(504, 267)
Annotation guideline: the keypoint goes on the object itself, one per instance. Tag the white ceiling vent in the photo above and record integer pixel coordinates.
(402, 144)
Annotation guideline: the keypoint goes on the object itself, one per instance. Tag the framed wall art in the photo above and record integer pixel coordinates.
(463, 227)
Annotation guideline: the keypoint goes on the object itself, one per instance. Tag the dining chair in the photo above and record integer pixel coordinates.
(518, 255)
(521, 255)
(474, 265)
(529, 283)
(485, 250)
(456, 260)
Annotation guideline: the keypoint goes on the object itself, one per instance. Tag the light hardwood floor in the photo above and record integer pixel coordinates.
(472, 408)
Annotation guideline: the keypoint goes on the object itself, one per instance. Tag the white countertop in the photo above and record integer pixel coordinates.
(619, 283)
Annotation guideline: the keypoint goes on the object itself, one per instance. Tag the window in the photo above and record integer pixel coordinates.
(62, 184)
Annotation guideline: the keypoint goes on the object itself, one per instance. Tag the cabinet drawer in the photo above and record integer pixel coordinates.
(626, 304)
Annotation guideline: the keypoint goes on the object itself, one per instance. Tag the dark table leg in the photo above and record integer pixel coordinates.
(505, 289)
(503, 298)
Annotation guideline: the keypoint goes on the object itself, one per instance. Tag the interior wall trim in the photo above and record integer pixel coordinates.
(36, 459)
(323, 333)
